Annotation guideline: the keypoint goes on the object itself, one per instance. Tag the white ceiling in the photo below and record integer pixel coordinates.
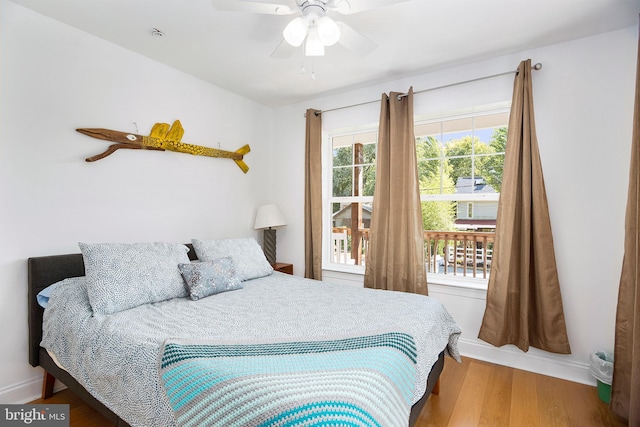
(232, 49)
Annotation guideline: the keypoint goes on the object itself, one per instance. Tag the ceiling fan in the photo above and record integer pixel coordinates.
(313, 27)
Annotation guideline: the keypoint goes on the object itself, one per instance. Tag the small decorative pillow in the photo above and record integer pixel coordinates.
(210, 277)
(122, 276)
(246, 254)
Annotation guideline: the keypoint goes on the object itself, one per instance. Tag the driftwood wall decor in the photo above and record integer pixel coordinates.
(162, 138)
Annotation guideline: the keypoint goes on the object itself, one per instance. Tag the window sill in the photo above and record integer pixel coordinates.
(435, 279)
(458, 282)
(342, 268)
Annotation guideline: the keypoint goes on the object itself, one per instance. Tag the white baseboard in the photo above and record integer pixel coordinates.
(544, 363)
(26, 391)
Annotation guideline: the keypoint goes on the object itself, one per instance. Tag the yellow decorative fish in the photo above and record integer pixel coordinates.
(162, 137)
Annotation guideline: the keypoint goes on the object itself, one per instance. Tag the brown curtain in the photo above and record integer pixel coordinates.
(524, 304)
(625, 389)
(313, 196)
(395, 259)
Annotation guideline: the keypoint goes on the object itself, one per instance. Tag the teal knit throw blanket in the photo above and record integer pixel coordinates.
(358, 381)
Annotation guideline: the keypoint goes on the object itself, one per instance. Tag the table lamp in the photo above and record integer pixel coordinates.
(267, 217)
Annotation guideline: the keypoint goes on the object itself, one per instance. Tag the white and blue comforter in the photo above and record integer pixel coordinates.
(118, 357)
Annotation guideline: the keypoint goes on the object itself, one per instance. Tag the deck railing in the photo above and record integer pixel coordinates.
(458, 253)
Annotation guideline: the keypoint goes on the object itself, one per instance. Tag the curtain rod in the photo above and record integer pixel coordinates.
(537, 66)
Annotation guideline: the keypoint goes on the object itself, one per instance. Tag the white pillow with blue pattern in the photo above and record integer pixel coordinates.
(121, 276)
(246, 254)
(210, 277)
(45, 294)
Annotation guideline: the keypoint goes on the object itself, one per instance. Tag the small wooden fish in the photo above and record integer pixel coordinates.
(161, 138)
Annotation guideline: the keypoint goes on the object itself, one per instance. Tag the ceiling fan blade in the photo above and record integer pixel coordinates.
(284, 50)
(284, 8)
(355, 41)
(347, 7)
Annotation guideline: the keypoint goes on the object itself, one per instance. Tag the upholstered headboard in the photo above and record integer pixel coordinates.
(42, 272)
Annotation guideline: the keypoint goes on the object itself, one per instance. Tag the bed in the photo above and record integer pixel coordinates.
(112, 370)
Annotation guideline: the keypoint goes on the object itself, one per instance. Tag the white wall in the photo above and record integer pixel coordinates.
(584, 105)
(54, 79)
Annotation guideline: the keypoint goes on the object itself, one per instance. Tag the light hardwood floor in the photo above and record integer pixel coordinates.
(476, 393)
(473, 393)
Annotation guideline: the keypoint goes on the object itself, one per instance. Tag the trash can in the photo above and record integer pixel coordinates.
(602, 370)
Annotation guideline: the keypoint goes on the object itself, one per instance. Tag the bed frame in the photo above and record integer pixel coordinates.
(46, 270)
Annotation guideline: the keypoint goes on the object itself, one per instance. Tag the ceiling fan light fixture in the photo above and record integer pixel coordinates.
(328, 31)
(313, 45)
(295, 31)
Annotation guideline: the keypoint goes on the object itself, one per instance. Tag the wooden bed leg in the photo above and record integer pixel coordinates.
(436, 387)
(47, 385)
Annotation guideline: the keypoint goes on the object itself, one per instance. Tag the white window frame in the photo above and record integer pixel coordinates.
(459, 281)
(327, 222)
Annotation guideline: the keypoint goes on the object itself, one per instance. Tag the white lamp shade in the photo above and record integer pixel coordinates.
(295, 31)
(269, 216)
(328, 31)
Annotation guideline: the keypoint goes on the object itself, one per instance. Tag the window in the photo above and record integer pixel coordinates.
(460, 165)
(352, 184)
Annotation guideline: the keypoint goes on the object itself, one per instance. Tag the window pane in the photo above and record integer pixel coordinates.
(433, 129)
(342, 141)
(342, 181)
(368, 180)
(491, 167)
(429, 147)
(432, 178)
(493, 170)
(490, 121)
(343, 156)
(369, 153)
(456, 129)
(338, 218)
(365, 138)
(438, 215)
(460, 174)
(349, 153)
(433, 169)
